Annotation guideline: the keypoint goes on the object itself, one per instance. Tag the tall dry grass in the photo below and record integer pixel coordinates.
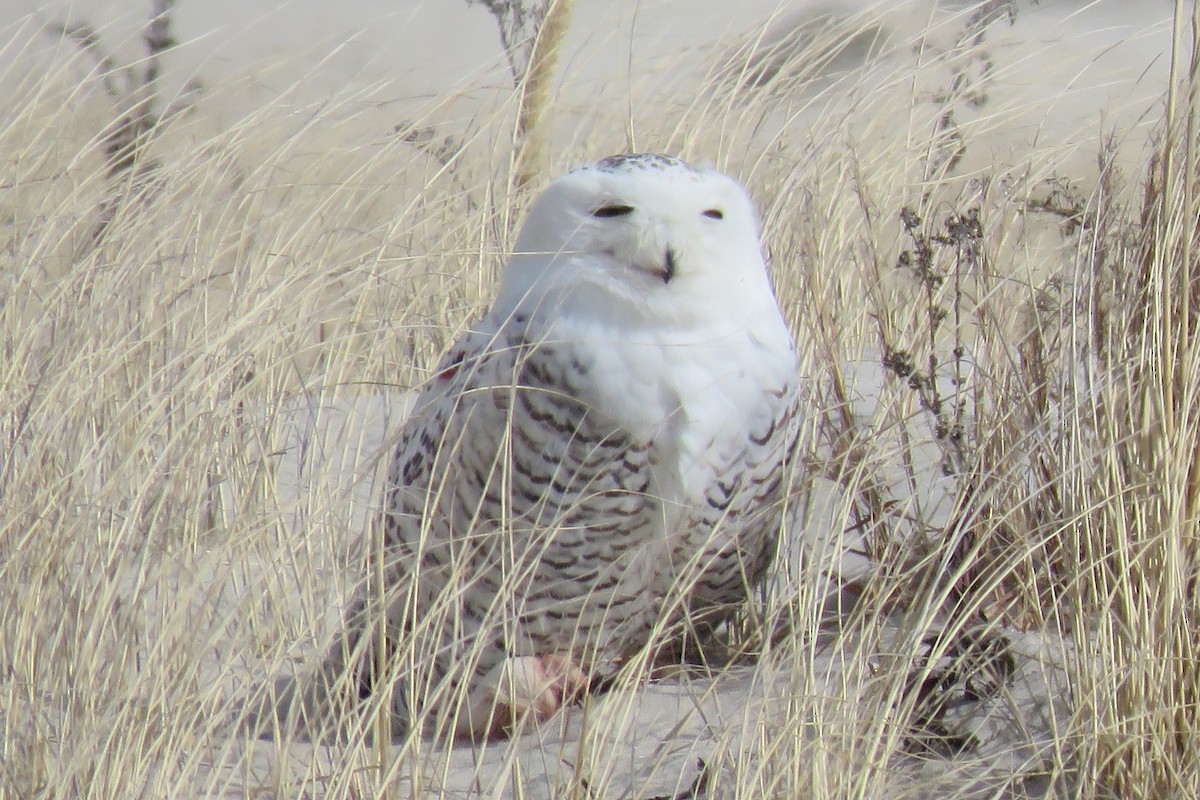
(996, 316)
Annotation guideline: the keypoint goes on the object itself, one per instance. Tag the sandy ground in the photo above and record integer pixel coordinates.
(1079, 57)
(657, 740)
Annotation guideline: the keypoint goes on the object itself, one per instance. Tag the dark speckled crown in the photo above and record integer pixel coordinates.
(639, 162)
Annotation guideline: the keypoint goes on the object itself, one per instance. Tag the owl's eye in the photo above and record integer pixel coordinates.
(714, 213)
(612, 211)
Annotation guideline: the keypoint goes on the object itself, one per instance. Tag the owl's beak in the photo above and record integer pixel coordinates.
(668, 265)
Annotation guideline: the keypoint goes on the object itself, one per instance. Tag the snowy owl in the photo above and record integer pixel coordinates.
(598, 466)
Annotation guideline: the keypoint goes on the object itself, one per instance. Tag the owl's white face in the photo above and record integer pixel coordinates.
(645, 237)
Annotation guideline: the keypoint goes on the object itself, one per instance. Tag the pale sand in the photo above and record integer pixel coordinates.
(1066, 60)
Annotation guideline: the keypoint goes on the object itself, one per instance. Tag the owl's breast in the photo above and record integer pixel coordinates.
(699, 399)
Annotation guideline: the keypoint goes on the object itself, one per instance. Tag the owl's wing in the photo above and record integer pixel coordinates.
(512, 493)
(737, 528)
(504, 436)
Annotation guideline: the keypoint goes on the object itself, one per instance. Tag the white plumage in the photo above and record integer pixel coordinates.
(600, 461)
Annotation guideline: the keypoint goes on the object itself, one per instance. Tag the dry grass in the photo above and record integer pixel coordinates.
(997, 318)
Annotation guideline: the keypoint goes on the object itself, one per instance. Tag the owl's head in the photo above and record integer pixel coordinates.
(640, 237)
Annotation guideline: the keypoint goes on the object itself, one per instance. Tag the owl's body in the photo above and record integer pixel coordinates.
(600, 462)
